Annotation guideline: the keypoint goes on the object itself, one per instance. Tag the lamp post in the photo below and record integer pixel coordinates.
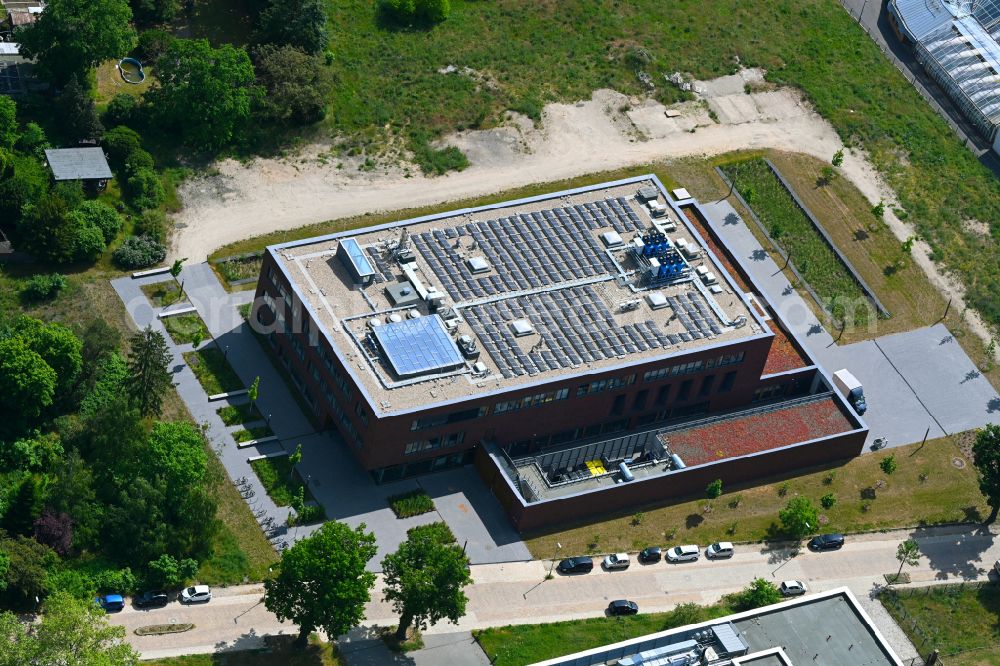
(552, 564)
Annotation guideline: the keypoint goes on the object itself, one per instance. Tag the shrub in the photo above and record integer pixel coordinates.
(102, 216)
(121, 110)
(308, 514)
(438, 531)
(145, 189)
(43, 287)
(122, 581)
(118, 143)
(714, 489)
(761, 592)
(888, 464)
(637, 518)
(33, 140)
(136, 161)
(139, 252)
(410, 504)
(828, 500)
(432, 11)
(152, 223)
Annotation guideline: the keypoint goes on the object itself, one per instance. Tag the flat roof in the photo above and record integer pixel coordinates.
(418, 346)
(546, 264)
(826, 629)
(78, 163)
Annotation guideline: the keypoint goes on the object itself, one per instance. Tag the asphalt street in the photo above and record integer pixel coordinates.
(517, 593)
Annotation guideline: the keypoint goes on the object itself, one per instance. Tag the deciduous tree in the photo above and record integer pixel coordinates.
(169, 572)
(72, 36)
(986, 455)
(760, 592)
(297, 23)
(907, 552)
(424, 581)
(799, 517)
(27, 386)
(295, 85)
(322, 582)
(149, 376)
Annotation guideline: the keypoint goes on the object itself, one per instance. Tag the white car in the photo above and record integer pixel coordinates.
(792, 588)
(196, 594)
(688, 553)
(616, 561)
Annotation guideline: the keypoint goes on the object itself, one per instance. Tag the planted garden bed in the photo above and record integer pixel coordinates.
(283, 484)
(186, 328)
(239, 414)
(410, 504)
(213, 370)
(256, 432)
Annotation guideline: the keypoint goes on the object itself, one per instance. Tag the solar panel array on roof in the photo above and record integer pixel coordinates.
(418, 346)
(528, 251)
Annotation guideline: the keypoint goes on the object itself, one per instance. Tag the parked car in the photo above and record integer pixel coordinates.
(151, 599)
(576, 565)
(650, 555)
(623, 607)
(616, 561)
(688, 553)
(792, 588)
(111, 603)
(827, 542)
(196, 594)
(719, 550)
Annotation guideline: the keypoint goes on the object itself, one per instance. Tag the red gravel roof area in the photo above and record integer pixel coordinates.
(740, 436)
(784, 355)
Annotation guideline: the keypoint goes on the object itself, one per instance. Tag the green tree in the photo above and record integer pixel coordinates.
(294, 84)
(424, 580)
(101, 216)
(25, 506)
(203, 92)
(888, 464)
(986, 457)
(77, 113)
(27, 385)
(155, 11)
(8, 123)
(120, 143)
(73, 493)
(112, 376)
(296, 456)
(29, 564)
(759, 593)
(799, 517)
(72, 36)
(408, 11)
(56, 344)
(33, 141)
(322, 581)
(714, 489)
(143, 186)
(72, 632)
(297, 23)
(168, 572)
(177, 453)
(838, 158)
(907, 552)
(149, 376)
(254, 392)
(175, 273)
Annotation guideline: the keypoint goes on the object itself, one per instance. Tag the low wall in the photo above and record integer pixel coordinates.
(683, 483)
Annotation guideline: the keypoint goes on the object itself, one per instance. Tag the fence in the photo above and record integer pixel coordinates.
(918, 635)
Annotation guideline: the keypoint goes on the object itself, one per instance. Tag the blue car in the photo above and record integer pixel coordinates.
(111, 603)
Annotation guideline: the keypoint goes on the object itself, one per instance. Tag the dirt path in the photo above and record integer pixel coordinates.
(608, 131)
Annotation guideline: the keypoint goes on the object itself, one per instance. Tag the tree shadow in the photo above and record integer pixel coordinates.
(363, 646)
(860, 235)
(993, 405)
(758, 255)
(958, 555)
(693, 520)
(731, 219)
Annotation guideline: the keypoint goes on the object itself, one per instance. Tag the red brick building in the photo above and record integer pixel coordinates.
(537, 326)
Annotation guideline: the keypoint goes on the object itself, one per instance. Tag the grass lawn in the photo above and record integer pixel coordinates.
(962, 619)
(212, 369)
(751, 513)
(233, 270)
(256, 432)
(162, 294)
(792, 230)
(411, 504)
(238, 414)
(278, 650)
(516, 645)
(110, 82)
(279, 479)
(186, 328)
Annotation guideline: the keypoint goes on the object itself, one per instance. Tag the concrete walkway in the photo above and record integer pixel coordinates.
(517, 593)
(346, 491)
(916, 383)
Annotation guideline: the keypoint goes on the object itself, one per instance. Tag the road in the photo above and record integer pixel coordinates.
(517, 593)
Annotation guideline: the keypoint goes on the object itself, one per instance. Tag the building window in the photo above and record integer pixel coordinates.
(727, 382)
(605, 385)
(685, 391)
(272, 276)
(530, 401)
(444, 441)
(619, 404)
(706, 385)
(640, 399)
(692, 367)
(442, 419)
(662, 394)
(361, 412)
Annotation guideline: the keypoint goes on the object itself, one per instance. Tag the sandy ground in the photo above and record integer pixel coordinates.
(606, 132)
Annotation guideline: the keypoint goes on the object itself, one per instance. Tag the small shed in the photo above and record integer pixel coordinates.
(86, 164)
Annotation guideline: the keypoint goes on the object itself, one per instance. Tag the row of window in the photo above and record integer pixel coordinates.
(693, 367)
(530, 401)
(605, 385)
(443, 419)
(443, 442)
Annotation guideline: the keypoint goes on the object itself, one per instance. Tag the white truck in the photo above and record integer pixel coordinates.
(852, 390)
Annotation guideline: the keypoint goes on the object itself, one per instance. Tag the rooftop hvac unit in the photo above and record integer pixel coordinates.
(521, 328)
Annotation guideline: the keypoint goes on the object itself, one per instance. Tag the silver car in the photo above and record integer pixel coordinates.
(688, 553)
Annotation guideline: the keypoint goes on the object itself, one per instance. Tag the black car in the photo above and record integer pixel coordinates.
(622, 607)
(827, 542)
(151, 599)
(576, 565)
(650, 555)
